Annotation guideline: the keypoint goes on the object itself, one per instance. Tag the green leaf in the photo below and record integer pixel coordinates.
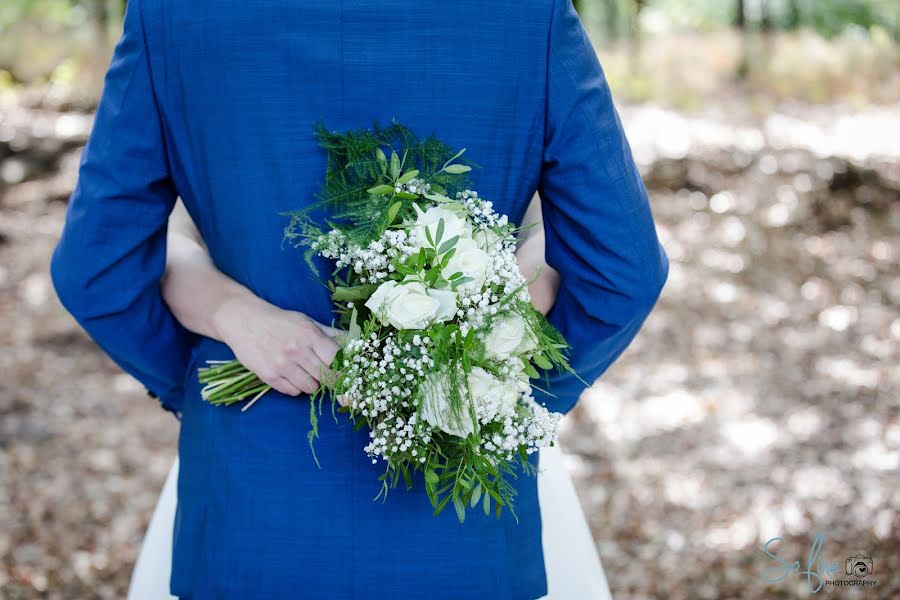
(355, 331)
(476, 495)
(454, 157)
(448, 244)
(420, 263)
(406, 195)
(431, 477)
(541, 361)
(486, 503)
(460, 507)
(457, 169)
(442, 504)
(392, 212)
(428, 235)
(440, 232)
(446, 260)
(395, 165)
(381, 190)
(408, 176)
(407, 479)
(531, 371)
(352, 294)
(382, 160)
(437, 197)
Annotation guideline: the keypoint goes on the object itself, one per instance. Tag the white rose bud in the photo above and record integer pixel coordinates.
(411, 305)
(469, 260)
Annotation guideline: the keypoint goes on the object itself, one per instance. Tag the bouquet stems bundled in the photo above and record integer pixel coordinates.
(229, 382)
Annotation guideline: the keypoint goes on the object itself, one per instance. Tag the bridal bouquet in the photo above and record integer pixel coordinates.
(442, 341)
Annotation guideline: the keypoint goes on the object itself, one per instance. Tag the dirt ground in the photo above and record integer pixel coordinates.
(759, 401)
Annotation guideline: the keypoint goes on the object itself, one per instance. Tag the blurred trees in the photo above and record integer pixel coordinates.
(103, 14)
(69, 41)
(829, 17)
(619, 18)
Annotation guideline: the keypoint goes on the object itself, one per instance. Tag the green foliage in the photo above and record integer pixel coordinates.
(359, 191)
(71, 13)
(828, 17)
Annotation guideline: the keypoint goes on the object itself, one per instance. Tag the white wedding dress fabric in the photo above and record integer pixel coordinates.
(573, 567)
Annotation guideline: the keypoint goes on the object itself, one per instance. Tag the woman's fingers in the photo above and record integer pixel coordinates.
(325, 348)
(284, 386)
(329, 331)
(313, 365)
(300, 376)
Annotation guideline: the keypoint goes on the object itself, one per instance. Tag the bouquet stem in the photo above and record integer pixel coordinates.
(231, 382)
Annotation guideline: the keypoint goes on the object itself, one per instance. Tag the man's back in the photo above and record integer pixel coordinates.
(241, 85)
(216, 102)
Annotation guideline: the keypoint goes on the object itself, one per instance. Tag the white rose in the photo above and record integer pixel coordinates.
(469, 260)
(446, 300)
(508, 335)
(436, 406)
(454, 224)
(411, 305)
(491, 394)
(487, 239)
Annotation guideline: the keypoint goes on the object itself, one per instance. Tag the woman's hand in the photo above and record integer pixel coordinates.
(286, 349)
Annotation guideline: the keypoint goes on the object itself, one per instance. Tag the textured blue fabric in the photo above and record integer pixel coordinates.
(215, 102)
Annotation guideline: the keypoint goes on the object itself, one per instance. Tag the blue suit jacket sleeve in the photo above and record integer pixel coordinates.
(600, 234)
(108, 263)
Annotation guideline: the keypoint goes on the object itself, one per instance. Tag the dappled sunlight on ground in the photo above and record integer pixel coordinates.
(761, 398)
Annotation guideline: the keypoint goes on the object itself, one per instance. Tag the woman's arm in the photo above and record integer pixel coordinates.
(543, 279)
(286, 349)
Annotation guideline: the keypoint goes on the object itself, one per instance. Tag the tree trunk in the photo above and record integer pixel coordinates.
(793, 19)
(740, 20)
(766, 17)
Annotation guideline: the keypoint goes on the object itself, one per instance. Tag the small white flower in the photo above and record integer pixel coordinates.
(487, 239)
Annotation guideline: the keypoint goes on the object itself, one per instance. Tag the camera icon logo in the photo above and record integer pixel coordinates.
(859, 565)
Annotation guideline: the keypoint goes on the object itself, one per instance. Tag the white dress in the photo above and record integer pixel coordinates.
(573, 567)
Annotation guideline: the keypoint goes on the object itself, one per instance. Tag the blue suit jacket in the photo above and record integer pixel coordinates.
(215, 102)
